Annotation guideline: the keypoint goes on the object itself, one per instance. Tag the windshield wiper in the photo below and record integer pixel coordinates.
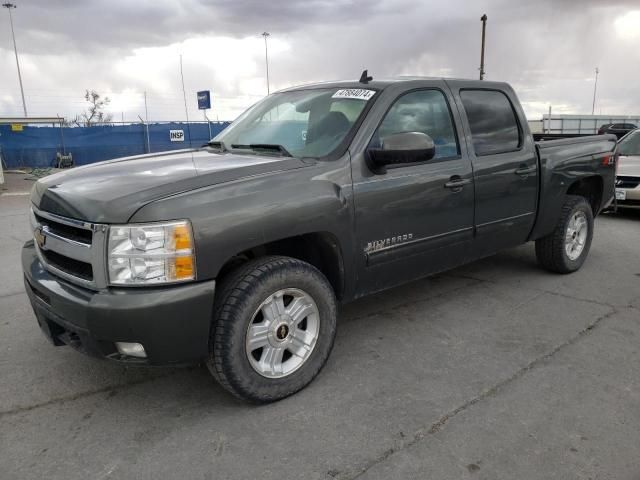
(219, 144)
(264, 148)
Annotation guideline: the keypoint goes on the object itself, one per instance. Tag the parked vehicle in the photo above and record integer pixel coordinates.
(617, 129)
(237, 253)
(628, 171)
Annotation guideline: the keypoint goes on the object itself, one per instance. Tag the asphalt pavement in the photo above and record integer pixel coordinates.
(496, 370)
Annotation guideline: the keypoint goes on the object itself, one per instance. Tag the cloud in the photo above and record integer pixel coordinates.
(547, 49)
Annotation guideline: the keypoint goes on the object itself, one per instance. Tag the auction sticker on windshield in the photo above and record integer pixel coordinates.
(356, 93)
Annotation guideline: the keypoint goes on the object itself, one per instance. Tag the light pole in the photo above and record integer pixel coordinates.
(595, 87)
(266, 57)
(483, 19)
(10, 6)
(184, 96)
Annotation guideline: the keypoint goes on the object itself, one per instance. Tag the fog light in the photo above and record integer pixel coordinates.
(131, 349)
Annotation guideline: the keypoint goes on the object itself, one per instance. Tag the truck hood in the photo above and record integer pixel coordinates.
(112, 191)
(629, 165)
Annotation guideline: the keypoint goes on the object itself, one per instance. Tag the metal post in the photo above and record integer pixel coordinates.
(146, 130)
(549, 121)
(184, 96)
(208, 123)
(146, 118)
(595, 86)
(484, 28)
(266, 57)
(146, 111)
(61, 133)
(10, 6)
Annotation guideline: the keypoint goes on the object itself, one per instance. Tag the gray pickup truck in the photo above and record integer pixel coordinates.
(237, 253)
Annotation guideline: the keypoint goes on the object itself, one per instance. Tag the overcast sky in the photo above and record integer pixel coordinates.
(547, 49)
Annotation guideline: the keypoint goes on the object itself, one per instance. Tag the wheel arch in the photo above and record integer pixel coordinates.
(591, 188)
(320, 249)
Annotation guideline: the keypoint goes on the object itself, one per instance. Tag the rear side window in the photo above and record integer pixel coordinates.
(493, 122)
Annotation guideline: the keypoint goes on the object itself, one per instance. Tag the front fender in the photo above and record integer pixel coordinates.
(236, 216)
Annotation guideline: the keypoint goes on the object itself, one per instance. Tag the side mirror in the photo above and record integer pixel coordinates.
(401, 148)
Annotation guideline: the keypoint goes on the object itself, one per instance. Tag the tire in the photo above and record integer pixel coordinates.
(554, 251)
(297, 342)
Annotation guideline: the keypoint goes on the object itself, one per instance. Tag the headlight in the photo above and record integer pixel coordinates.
(151, 253)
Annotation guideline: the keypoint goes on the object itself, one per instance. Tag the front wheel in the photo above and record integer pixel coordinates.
(566, 248)
(273, 328)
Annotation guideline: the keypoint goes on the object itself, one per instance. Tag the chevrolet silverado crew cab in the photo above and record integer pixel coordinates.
(237, 253)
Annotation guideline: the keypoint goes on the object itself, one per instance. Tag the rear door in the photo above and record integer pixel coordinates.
(505, 165)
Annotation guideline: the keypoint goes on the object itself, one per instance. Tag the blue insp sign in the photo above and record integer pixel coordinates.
(204, 100)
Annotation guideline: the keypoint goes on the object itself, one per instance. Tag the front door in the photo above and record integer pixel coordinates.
(414, 219)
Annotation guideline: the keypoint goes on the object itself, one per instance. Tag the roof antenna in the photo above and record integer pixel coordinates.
(365, 78)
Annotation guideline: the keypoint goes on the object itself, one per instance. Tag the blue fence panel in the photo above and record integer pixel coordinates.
(37, 146)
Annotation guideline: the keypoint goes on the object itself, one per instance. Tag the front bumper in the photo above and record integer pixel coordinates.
(172, 323)
(632, 197)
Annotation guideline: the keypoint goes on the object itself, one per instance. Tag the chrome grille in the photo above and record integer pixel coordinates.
(627, 182)
(71, 249)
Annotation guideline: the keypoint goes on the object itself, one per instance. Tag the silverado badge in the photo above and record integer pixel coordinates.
(387, 242)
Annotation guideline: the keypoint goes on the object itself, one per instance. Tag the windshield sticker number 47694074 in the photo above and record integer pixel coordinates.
(355, 93)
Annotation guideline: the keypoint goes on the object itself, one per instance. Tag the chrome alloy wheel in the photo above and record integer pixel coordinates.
(282, 333)
(576, 235)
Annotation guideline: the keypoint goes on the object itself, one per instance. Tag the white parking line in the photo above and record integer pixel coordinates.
(14, 194)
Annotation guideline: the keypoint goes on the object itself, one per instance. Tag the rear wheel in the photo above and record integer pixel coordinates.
(273, 329)
(567, 247)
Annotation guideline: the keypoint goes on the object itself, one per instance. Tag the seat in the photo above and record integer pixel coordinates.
(330, 126)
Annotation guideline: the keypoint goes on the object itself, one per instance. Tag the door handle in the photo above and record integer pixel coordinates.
(456, 183)
(524, 171)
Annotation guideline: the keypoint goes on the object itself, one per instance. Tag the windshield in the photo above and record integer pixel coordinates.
(303, 123)
(630, 145)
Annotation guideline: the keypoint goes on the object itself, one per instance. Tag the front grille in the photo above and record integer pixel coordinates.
(69, 265)
(67, 231)
(627, 182)
(71, 249)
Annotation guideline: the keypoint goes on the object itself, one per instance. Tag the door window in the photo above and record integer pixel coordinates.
(493, 122)
(425, 111)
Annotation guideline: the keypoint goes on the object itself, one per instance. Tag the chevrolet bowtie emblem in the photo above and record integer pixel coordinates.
(39, 237)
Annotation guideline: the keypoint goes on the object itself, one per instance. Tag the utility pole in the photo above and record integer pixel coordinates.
(483, 19)
(266, 57)
(146, 112)
(10, 6)
(595, 87)
(146, 119)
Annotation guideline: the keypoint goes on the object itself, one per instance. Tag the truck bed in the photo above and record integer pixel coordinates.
(573, 147)
(564, 160)
(554, 136)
